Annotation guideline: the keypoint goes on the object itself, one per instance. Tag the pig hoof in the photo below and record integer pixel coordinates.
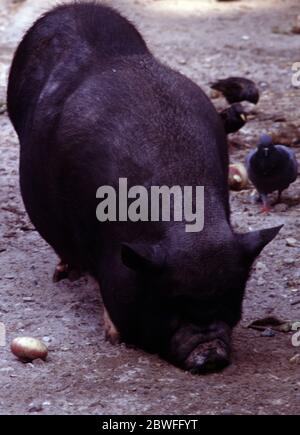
(60, 272)
(208, 357)
(111, 333)
(63, 271)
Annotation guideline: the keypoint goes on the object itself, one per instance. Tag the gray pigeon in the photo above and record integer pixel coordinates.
(271, 168)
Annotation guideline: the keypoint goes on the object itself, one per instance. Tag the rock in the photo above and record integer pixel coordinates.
(268, 333)
(9, 276)
(296, 25)
(289, 261)
(279, 118)
(261, 267)
(261, 281)
(2, 107)
(285, 327)
(38, 362)
(182, 61)
(267, 323)
(295, 359)
(290, 241)
(280, 208)
(28, 299)
(35, 407)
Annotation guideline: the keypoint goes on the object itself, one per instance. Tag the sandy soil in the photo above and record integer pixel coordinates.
(85, 375)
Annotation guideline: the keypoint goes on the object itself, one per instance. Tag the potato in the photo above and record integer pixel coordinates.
(28, 348)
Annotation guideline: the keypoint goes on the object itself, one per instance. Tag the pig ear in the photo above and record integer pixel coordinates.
(255, 241)
(139, 257)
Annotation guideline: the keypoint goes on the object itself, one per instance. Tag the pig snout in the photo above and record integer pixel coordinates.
(200, 349)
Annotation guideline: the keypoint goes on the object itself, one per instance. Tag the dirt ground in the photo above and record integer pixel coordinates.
(205, 40)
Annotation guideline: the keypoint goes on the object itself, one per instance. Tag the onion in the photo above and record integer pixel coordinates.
(28, 348)
(238, 177)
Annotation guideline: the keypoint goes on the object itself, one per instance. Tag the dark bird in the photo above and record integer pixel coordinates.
(233, 117)
(237, 89)
(271, 168)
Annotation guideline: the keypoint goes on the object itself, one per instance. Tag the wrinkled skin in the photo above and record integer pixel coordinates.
(90, 105)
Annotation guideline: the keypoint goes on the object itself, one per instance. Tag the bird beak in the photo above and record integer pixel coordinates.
(244, 117)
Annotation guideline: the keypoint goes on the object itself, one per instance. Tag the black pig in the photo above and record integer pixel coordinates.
(90, 105)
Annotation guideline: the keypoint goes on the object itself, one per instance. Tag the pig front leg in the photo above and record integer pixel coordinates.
(64, 271)
(111, 333)
(201, 349)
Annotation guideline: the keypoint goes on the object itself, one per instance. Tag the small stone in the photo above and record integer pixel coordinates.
(3, 107)
(280, 208)
(289, 261)
(261, 268)
(260, 265)
(290, 241)
(28, 299)
(268, 333)
(261, 281)
(47, 339)
(277, 402)
(285, 327)
(35, 407)
(3, 309)
(296, 26)
(6, 369)
(9, 276)
(245, 38)
(182, 61)
(38, 362)
(295, 359)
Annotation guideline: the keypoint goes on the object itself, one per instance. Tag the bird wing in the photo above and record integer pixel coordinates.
(292, 167)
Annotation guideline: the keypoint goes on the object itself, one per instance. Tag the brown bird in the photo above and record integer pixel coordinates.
(233, 117)
(237, 89)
